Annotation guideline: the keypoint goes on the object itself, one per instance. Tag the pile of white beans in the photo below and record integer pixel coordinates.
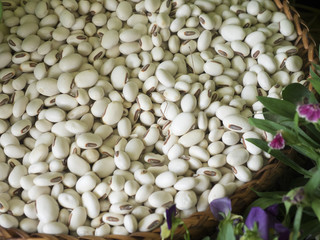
(110, 111)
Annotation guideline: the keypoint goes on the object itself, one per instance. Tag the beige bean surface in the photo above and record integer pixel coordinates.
(111, 111)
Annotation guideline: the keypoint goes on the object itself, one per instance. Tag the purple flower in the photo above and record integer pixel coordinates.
(298, 197)
(273, 210)
(277, 142)
(259, 216)
(285, 198)
(266, 221)
(311, 112)
(221, 205)
(282, 231)
(170, 213)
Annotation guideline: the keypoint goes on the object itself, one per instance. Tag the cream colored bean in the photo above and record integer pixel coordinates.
(113, 113)
(144, 192)
(77, 218)
(86, 183)
(4, 205)
(48, 179)
(213, 174)
(237, 123)
(188, 33)
(178, 166)
(149, 98)
(217, 161)
(130, 223)
(232, 33)
(199, 153)
(230, 138)
(90, 202)
(159, 199)
(238, 157)
(191, 138)
(294, 63)
(185, 183)
(213, 68)
(47, 208)
(28, 225)
(86, 78)
(21, 127)
(99, 167)
(255, 162)
(77, 165)
(249, 146)
(185, 199)
(242, 173)
(20, 106)
(89, 140)
(143, 176)
(85, 230)
(195, 61)
(55, 228)
(182, 123)
(70, 62)
(113, 219)
(218, 191)
(169, 110)
(134, 148)
(151, 136)
(131, 187)
(254, 38)
(166, 179)
(16, 173)
(8, 221)
(150, 222)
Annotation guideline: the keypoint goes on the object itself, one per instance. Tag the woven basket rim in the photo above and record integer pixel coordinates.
(203, 223)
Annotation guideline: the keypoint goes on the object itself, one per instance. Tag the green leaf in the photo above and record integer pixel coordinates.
(275, 117)
(165, 232)
(266, 125)
(313, 183)
(306, 137)
(297, 222)
(281, 107)
(279, 155)
(226, 231)
(0, 10)
(313, 132)
(315, 204)
(274, 195)
(296, 92)
(206, 238)
(175, 225)
(310, 229)
(291, 137)
(312, 139)
(296, 121)
(187, 234)
(276, 122)
(307, 151)
(287, 206)
(315, 80)
(263, 203)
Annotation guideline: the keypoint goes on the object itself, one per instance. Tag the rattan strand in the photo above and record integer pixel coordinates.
(202, 223)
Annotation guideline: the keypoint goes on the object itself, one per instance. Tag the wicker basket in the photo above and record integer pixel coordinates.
(202, 224)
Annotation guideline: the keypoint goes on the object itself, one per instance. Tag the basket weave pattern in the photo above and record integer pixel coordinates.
(202, 223)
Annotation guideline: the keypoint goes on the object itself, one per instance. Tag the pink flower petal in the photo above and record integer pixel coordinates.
(311, 112)
(277, 142)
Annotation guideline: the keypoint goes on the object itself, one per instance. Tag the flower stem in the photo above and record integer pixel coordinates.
(187, 234)
(297, 222)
